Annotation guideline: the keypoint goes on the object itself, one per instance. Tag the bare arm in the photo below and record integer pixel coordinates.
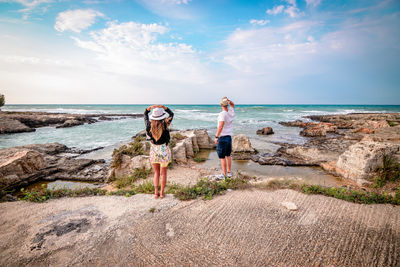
(231, 103)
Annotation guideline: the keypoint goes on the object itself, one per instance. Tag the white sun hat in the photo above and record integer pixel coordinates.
(158, 114)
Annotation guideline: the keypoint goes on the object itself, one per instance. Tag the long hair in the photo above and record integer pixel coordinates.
(156, 129)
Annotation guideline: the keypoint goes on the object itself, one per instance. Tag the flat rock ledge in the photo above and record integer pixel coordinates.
(20, 166)
(17, 122)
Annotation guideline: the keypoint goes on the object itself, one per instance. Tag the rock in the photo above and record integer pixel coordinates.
(297, 123)
(19, 167)
(104, 118)
(129, 164)
(242, 144)
(13, 126)
(289, 205)
(364, 130)
(50, 148)
(313, 131)
(14, 122)
(179, 152)
(265, 131)
(70, 123)
(241, 147)
(362, 159)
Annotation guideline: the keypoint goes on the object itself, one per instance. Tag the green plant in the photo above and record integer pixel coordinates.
(392, 123)
(2, 100)
(199, 159)
(152, 210)
(132, 149)
(139, 173)
(172, 143)
(352, 195)
(144, 188)
(178, 136)
(207, 189)
(390, 171)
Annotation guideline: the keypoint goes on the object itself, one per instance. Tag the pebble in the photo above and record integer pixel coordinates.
(289, 205)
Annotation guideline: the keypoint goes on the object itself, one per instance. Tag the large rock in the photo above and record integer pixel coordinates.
(129, 164)
(265, 131)
(13, 126)
(19, 167)
(241, 147)
(70, 123)
(362, 159)
(313, 131)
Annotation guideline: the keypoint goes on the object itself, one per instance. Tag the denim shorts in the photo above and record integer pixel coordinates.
(224, 147)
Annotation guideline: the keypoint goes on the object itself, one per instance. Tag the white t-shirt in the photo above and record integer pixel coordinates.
(227, 117)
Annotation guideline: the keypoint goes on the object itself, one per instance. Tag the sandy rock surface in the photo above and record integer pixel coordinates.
(240, 228)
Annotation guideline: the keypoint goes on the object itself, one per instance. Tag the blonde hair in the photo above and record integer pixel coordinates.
(156, 129)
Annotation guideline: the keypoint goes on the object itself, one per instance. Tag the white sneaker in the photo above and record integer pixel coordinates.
(229, 175)
(219, 176)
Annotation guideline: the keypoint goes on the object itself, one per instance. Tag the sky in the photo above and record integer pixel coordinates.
(197, 51)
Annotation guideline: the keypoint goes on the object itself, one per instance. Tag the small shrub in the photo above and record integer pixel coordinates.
(139, 173)
(178, 136)
(132, 149)
(172, 143)
(145, 188)
(2, 100)
(152, 210)
(390, 171)
(392, 123)
(207, 189)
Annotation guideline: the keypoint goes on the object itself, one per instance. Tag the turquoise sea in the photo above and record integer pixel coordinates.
(249, 118)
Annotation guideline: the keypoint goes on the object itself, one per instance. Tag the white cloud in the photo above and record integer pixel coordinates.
(276, 10)
(291, 2)
(30, 6)
(28, 3)
(132, 48)
(293, 11)
(176, 2)
(76, 20)
(313, 3)
(260, 22)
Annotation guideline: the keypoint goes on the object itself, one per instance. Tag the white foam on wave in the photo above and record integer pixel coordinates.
(196, 115)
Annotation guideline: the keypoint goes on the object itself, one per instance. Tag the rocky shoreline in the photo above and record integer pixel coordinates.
(352, 146)
(18, 122)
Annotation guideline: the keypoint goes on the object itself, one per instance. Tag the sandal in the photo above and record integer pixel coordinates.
(156, 196)
(162, 195)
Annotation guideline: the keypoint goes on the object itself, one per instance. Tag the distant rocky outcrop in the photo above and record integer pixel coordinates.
(265, 131)
(13, 126)
(16, 122)
(22, 165)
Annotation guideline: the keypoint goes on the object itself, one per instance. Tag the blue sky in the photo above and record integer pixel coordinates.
(193, 52)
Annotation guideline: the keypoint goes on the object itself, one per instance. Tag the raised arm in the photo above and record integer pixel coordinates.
(231, 103)
(146, 119)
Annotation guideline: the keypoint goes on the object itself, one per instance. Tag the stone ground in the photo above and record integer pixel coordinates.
(249, 227)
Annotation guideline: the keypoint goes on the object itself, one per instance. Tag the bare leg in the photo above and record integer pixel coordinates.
(223, 165)
(156, 168)
(229, 163)
(163, 180)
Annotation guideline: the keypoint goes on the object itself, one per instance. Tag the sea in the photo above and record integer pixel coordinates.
(248, 119)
